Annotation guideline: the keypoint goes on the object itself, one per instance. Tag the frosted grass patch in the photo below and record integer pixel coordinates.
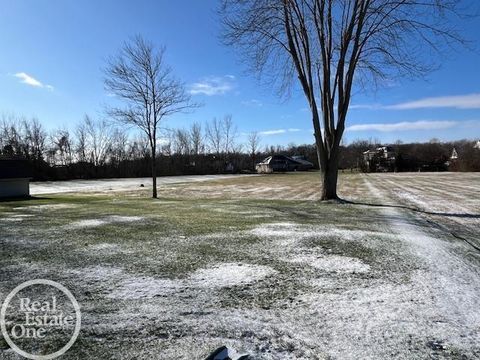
(16, 217)
(332, 263)
(87, 223)
(46, 207)
(125, 219)
(107, 248)
(280, 230)
(290, 232)
(99, 273)
(133, 287)
(230, 274)
(218, 276)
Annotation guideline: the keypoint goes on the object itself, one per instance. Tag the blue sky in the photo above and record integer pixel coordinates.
(53, 52)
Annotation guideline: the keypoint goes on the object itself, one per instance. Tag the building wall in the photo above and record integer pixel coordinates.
(264, 169)
(14, 187)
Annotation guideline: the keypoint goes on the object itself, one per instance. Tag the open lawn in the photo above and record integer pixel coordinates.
(256, 263)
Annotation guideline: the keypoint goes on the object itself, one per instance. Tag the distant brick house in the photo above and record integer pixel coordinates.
(15, 178)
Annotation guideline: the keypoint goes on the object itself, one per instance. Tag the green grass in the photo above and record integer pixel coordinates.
(179, 235)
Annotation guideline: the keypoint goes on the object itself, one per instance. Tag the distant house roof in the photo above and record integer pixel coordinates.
(454, 154)
(301, 159)
(14, 169)
(276, 158)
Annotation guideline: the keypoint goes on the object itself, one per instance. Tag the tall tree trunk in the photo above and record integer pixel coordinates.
(154, 174)
(328, 170)
(329, 180)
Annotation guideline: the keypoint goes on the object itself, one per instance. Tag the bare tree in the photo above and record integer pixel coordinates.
(118, 146)
(139, 149)
(196, 139)
(332, 45)
(99, 139)
(229, 133)
(139, 76)
(61, 150)
(182, 142)
(214, 136)
(81, 145)
(35, 138)
(168, 140)
(11, 141)
(253, 146)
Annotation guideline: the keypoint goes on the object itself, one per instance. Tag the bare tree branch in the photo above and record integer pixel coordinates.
(139, 77)
(335, 45)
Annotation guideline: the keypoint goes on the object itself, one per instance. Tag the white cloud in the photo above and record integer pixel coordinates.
(30, 80)
(404, 126)
(365, 106)
(213, 85)
(278, 131)
(468, 101)
(252, 103)
(273, 132)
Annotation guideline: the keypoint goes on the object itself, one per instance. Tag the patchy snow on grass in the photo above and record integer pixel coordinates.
(124, 219)
(133, 287)
(87, 223)
(230, 274)
(17, 217)
(46, 207)
(332, 263)
(289, 233)
(106, 248)
(98, 273)
(280, 230)
(123, 285)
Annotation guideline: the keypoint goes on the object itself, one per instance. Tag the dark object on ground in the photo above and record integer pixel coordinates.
(141, 185)
(224, 353)
(220, 354)
(436, 345)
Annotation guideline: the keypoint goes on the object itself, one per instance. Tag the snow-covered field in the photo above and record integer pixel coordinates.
(108, 185)
(255, 264)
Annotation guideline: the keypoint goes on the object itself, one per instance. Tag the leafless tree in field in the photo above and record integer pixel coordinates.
(253, 146)
(139, 76)
(81, 144)
(61, 149)
(35, 138)
(118, 146)
(229, 134)
(333, 46)
(214, 136)
(182, 141)
(196, 139)
(99, 139)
